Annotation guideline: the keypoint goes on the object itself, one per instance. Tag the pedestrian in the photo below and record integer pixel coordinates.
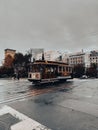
(14, 76)
(18, 76)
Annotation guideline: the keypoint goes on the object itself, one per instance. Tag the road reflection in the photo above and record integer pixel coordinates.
(11, 90)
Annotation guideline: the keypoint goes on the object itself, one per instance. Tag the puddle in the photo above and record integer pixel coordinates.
(22, 92)
(43, 101)
(65, 89)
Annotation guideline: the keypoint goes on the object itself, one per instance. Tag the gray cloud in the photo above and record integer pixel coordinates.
(52, 24)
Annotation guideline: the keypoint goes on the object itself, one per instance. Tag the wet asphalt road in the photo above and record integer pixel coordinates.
(72, 105)
(13, 90)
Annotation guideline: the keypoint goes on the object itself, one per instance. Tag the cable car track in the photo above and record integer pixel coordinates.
(14, 96)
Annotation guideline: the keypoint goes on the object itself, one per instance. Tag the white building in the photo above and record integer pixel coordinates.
(65, 58)
(54, 56)
(51, 55)
(79, 58)
(93, 57)
(84, 58)
(39, 56)
(48, 55)
(87, 59)
(36, 53)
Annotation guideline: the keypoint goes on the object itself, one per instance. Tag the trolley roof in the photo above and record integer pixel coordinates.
(44, 62)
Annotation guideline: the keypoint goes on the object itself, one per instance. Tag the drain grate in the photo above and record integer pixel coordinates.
(3, 127)
(7, 120)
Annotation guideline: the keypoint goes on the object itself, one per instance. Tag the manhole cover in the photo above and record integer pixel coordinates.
(3, 126)
(6, 121)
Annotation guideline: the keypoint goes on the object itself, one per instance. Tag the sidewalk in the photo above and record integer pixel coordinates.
(10, 119)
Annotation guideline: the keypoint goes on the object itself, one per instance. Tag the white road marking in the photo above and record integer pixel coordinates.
(25, 123)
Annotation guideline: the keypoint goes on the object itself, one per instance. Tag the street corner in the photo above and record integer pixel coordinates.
(10, 119)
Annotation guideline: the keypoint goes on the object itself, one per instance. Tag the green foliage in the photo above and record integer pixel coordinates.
(78, 70)
(6, 72)
(21, 59)
(94, 65)
(18, 58)
(21, 63)
(91, 72)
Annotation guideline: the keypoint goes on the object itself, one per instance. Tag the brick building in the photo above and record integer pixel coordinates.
(9, 56)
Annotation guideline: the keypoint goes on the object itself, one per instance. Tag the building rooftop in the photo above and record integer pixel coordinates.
(9, 49)
(77, 54)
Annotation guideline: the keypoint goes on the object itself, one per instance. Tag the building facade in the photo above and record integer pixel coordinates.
(79, 58)
(9, 56)
(10, 52)
(83, 58)
(93, 57)
(51, 55)
(36, 53)
(48, 55)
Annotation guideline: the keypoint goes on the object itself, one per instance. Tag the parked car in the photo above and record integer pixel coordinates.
(84, 77)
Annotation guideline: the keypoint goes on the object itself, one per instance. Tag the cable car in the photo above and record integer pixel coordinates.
(42, 71)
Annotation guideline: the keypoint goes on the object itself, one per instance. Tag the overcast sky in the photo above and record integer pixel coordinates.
(68, 25)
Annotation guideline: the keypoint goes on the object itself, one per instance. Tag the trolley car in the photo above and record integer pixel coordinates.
(49, 71)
